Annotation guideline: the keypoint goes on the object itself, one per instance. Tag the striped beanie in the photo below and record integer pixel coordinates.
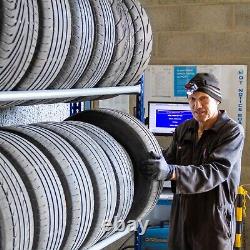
(204, 82)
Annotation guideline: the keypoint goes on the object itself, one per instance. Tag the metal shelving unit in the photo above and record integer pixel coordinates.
(8, 96)
(113, 238)
(76, 107)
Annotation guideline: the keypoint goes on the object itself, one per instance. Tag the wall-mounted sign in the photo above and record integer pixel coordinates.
(182, 74)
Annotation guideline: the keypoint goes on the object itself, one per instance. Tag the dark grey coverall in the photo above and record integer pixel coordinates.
(208, 174)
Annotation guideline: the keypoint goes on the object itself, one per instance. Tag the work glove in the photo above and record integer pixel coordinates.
(156, 168)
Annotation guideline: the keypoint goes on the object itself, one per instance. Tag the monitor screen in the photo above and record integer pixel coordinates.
(164, 117)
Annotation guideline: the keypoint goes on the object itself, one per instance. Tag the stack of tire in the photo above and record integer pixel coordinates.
(61, 182)
(63, 44)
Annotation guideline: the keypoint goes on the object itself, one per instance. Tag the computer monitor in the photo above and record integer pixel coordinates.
(164, 117)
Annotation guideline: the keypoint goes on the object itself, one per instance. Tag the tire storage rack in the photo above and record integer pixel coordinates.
(60, 181)
(70, 45)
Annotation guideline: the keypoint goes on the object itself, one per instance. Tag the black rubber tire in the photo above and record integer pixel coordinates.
(118, 60)
(155, 143)
(18, 39)
(1, 24)
(138, 142)
(74, 177)
(81, 45)
(44, 188)
(121, 164)
(101, 173)
(130, 50)
(16, 216)
(123, 50)
(52, 47)
(53, 42)
(103, 45)
(131, 43)
(143, 43)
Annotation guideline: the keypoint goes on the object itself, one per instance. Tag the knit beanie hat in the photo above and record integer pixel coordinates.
(206, 83)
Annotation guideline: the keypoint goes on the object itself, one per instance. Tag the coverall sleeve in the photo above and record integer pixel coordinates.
(170, 156)
(202, 178)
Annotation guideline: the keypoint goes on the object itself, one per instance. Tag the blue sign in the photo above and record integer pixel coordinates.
(182, 74)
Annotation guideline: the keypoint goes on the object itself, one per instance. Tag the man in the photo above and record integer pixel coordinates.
(204, 164)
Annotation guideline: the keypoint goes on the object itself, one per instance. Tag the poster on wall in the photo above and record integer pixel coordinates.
(165, 83)
(182, 74)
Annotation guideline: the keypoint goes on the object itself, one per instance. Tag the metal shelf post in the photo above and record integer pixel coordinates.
(140, 101)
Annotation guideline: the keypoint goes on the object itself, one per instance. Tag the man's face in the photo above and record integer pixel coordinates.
(203, 106)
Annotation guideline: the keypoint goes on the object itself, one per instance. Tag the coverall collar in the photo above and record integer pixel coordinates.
(222, 119)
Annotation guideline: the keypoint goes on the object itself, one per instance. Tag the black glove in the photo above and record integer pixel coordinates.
(156, 168)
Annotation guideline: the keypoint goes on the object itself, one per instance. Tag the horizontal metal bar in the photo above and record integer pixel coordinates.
(106, 242)
(66, 93)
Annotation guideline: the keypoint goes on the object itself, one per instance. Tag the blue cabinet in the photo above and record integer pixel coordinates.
(155, 238)
(156, 235)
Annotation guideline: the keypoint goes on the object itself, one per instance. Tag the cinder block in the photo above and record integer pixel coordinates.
(155, 44)
(149, 2)
(155, 60)
(165, 18)
(168, 2)
(181, 61)
(242, 16)
(181, 45)
(225, 44)
(185, 2)
(227, 60)
(207, 17)
(245, 175)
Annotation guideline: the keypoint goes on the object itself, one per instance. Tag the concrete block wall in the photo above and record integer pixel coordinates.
(204, 32)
